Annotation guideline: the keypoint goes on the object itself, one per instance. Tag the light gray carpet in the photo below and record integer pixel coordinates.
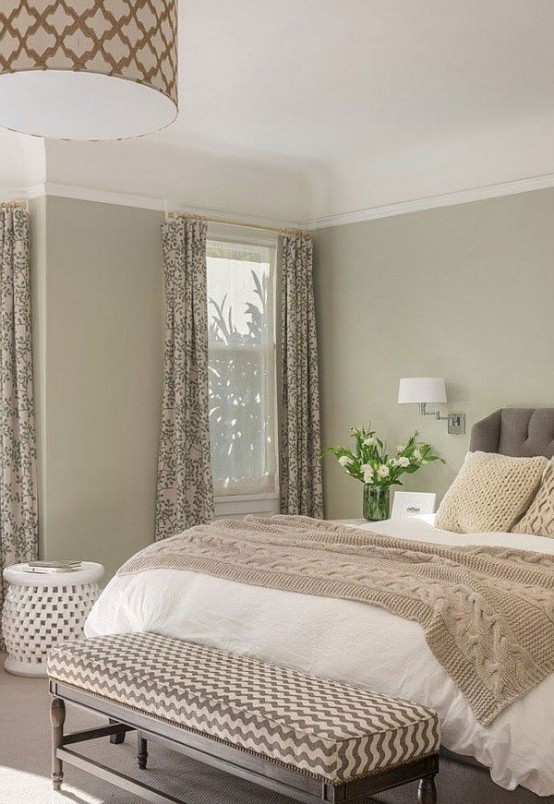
(25, 759)
(25, 765)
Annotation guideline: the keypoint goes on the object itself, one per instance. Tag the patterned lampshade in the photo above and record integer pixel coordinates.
(88, 69)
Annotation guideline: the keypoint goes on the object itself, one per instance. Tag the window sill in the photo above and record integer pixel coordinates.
(245, 497)
(238, 506)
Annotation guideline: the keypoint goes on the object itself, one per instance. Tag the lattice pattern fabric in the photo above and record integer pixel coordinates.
(132, 39)
(490, 493)
(325, 728)
(539, 518)
(35, 618)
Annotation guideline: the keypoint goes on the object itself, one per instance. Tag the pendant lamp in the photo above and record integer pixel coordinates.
(88, 69)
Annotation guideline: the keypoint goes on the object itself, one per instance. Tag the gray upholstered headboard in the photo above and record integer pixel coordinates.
(521, 432)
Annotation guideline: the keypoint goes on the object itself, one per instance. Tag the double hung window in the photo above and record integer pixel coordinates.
(242, 375)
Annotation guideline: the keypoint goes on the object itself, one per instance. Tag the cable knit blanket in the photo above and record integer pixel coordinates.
(487, 613)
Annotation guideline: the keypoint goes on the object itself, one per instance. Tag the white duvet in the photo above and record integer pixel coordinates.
(345, 640)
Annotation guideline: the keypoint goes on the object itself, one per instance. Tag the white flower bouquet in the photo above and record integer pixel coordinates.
(371, 463)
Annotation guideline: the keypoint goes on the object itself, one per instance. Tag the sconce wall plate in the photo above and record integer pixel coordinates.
(456, 423)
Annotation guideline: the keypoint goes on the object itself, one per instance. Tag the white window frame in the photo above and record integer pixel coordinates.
(264, 503)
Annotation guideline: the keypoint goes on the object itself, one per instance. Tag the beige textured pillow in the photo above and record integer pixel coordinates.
(539, 518)
(490, 493)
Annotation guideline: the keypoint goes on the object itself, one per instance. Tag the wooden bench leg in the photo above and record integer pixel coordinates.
(142, 752)
(116, 739)
(57, 719)
(427, 793)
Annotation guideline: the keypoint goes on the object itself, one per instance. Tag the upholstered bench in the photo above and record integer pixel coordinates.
(312, 739)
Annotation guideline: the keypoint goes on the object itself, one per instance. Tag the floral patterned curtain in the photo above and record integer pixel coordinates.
(18, 495)
(300, 436)
(185, 489)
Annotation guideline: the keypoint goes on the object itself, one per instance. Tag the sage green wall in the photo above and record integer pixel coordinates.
(98, 304)
(464, 292)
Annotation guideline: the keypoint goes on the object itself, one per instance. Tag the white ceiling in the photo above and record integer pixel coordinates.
(371, 102)
(317, 79)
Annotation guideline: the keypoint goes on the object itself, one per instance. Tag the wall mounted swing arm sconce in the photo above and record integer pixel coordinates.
(422, 391)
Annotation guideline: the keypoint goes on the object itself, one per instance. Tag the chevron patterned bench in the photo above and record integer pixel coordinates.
(311, 739)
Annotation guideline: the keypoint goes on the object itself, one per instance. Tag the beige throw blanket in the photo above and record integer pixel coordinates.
(487, 613)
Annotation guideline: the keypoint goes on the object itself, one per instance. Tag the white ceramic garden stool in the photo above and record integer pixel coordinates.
(42, 610)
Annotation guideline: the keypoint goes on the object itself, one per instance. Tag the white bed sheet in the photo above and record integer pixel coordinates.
(345, 640)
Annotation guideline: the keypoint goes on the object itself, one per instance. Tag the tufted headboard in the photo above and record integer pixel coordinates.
(521, 432)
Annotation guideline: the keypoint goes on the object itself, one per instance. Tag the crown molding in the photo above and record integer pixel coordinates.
(13, 194)
(323, 222)
(99, 196)
(40, 190)
(224, 216)
(435, 201)
(145, 202)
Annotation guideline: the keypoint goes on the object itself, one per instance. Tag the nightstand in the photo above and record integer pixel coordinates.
(42, 610)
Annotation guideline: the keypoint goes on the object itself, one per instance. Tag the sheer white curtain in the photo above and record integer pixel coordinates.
(241, 316)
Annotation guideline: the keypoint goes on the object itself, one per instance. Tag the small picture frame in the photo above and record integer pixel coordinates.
(412, 503)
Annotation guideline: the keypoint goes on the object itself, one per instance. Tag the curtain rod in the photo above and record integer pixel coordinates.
(297, 232)
(14, 205)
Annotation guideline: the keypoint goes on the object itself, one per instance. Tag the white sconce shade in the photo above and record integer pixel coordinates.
(418, 390)
(423, 390)
(88, 70)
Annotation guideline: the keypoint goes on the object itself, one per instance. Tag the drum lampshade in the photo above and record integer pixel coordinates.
(88, 69)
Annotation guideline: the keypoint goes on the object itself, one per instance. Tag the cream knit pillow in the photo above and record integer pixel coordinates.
(490, 493)
(539, 519)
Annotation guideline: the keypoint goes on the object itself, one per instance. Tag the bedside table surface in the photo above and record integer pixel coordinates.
(352, 522)
(19, 576)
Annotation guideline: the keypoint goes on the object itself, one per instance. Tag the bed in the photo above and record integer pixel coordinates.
(511, 761)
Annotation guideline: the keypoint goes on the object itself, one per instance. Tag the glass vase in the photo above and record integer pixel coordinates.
(376, 503)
